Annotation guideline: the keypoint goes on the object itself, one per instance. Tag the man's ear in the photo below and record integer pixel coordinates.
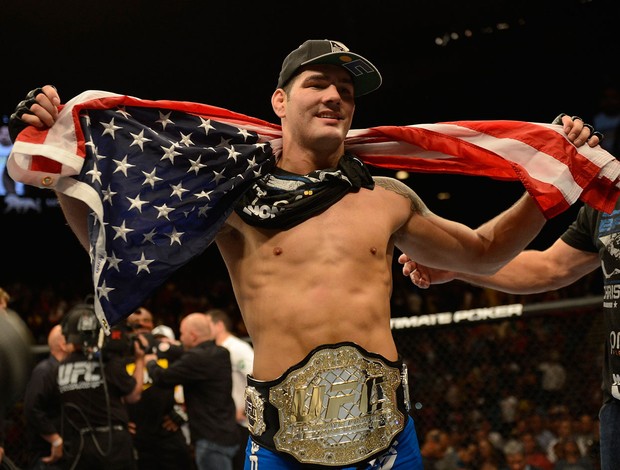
(278, 102)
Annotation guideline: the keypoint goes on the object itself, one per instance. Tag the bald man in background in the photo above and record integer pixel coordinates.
(205, 372)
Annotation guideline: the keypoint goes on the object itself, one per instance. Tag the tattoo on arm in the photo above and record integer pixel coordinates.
(391, 184)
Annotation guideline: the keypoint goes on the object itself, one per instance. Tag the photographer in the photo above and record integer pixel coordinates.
(94, 389)
(154, 420)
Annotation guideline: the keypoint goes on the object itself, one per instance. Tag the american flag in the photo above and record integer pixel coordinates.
(160, 176)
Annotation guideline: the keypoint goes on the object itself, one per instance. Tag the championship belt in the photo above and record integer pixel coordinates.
(341, 405)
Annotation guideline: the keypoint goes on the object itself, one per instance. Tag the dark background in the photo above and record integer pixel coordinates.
(548, 57)
(524, 60)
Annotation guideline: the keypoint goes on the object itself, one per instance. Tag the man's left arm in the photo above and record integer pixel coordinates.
(444, 244)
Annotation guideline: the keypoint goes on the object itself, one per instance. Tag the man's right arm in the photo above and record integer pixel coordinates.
(76, 214)
(40, 109)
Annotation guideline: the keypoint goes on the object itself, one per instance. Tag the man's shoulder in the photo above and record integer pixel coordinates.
(209, 348)
(46, 365)
(238, 345)
(235, 340)
(212, 355)
(392, 184)
(384, 179)
(230, 229)
(395, 186)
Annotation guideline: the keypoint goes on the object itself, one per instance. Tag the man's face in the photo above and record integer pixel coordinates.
(5, 138)
(320, 105)
(516, 461)
(186, 336)
(141, 321)
(212, 325)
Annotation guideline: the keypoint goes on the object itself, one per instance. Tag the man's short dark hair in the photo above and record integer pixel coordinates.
(219, 315)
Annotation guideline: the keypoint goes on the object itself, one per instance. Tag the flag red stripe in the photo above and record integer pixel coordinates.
(551, 169)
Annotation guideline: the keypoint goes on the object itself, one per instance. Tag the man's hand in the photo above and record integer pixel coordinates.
(38, 109)
(140, 346)
(577, 131)
(56, 451)
(150, 357)
(131, 427)
(169, 425)
(423, 276)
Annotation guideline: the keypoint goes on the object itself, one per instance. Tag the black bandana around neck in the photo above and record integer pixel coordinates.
(281, 200)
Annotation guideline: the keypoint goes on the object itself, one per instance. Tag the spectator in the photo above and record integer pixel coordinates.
(515, 457)
(169, 349)
(537, 423)
(461, 452)
(242, 361)
(564, 431)
(534, 455)
(157, 434)
(205, 373)
(433, 448)
(141, 321)
(509, 407)
(15, 365)
(587, 434)
(2, 431)
(488, 455)
(553, 379)
(450, 459)
(42, 408)
(572, 458)
(607, 118)
(5, 461)
(467, 455)
(94, 393)
(484, 430)
(7, 185)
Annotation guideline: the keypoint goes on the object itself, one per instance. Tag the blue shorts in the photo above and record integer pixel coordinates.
(403, 454)
(610, 435)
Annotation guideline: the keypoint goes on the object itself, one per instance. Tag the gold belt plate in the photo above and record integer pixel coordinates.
(339, 408)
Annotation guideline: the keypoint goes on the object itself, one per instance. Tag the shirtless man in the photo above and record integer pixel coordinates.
(315, 292)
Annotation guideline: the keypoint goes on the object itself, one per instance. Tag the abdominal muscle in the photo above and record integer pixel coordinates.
(325, 281)
(285, 324)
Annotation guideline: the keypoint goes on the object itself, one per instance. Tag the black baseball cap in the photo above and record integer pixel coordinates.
(366, 77)
(80, 324)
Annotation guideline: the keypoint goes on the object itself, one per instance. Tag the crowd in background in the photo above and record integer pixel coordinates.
(492, 396)
(486, 386)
